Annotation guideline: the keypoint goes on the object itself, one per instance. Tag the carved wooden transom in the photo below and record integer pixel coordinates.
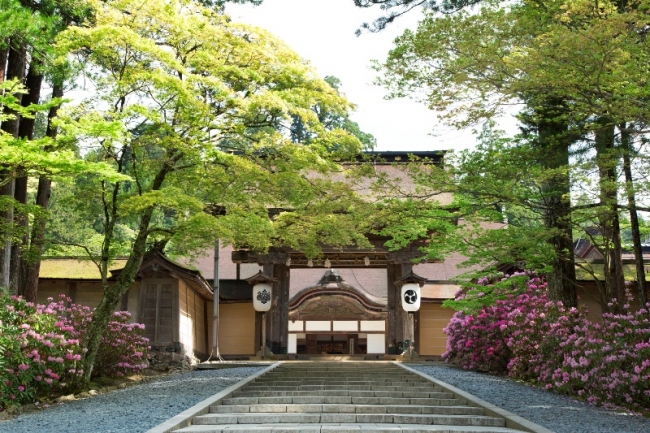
(333, 307)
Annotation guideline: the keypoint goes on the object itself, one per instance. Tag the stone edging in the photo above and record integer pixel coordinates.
(512, 420)
(184, 419)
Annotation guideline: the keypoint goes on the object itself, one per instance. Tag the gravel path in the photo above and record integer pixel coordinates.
(139, 408)
(555, 412)
(130, 410)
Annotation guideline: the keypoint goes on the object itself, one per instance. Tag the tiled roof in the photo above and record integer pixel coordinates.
(204, 262)
(439, 290)
(371, 281)
(445, 271)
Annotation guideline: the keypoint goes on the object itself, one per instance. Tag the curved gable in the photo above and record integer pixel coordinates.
(334, 299)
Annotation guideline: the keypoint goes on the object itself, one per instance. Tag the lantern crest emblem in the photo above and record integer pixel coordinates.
(263, 296)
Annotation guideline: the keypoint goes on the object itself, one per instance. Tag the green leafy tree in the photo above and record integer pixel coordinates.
(197, 109)
(29, 29)
(564, 62)
(331, 118)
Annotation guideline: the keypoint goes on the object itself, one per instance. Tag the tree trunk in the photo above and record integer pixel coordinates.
(15, 70)
(4, 54)
(112, 296)
(113, 293)
(25, 130)
(607, 160)
(554, 142)
(626, 147)
(33, 265)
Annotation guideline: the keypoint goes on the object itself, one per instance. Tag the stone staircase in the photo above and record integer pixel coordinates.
(344, 397)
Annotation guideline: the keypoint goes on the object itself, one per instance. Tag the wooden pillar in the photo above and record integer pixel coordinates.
(277, 321)
(267, 269)
(398, 320)
(404, 316)
(258, 331)
(124, 303)
(72, 291)
(394, 333)
(280, 309)
(417, 330)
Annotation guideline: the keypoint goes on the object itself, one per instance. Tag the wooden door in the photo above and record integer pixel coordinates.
(157, 312)
(311, 344)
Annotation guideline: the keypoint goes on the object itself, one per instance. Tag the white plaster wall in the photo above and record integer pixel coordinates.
(373, 325)
(318, 325)
(345, 325)
(292, 345)
(376, 343)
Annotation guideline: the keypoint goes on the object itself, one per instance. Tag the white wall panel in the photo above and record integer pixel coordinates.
(292, 345)
(318, 325)
(347, 325)
(373, 325)
(376, 343)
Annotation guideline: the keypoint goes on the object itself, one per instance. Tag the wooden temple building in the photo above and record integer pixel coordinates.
(346, 302)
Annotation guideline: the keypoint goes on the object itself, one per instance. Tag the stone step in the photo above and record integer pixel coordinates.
(339, 381)
(298, 373)
(344, 397)
(343, 400)
(339, 392)
(347, 408)
(368, 392)
(363, 418)
(366, 370)
(397, 389)
(341, 428)
(352, 377)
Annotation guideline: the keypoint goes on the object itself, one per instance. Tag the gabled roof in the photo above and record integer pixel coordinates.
(192, 277)
(67, 268)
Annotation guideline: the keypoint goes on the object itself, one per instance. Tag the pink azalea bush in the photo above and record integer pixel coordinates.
(530, 338)
(477, 338)
(40, 347)
(37, 350)
(123, 351)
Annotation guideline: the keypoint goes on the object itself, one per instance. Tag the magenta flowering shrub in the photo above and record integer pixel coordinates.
(37, 350)
(606, 363)
(556, 348)
(40, 347)
(123, 351)
(478, 340)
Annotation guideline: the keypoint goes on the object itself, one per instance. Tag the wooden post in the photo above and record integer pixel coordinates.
(263, 348)
(270, 321)
(394, 332)
(411, 335)
(279, 317)
(215, 304)
(404, 316)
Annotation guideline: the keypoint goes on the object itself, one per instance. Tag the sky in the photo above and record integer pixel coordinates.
(323, 32)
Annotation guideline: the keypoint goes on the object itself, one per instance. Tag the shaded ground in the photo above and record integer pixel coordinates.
(553, 411)
(132, 409)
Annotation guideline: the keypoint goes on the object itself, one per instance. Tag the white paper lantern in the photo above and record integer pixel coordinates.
(411, 297)
(262, 297)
